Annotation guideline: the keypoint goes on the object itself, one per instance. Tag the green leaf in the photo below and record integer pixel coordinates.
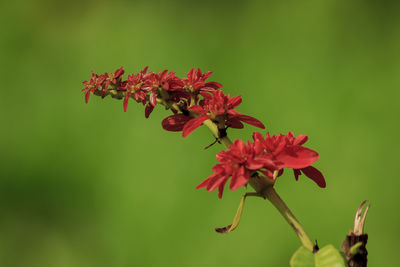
(327, 256)
(238, 215)
(302, 258)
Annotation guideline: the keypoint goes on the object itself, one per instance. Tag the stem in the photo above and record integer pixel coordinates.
(214, 129)
(273, 196)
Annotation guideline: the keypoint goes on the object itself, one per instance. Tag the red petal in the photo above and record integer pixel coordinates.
(126, 99)
(175, 123)
(119, 72)
(204, 183)
(254, 164)
(214, 85)
(197, 109)
(297, 157)
(153, 99)
(233, 112)
(192, 125)
(149, 108)
(206, 95)
(207, 89)
(234, 123)
(268, 162)
(239, 145)
(162, 75)
(206, 75)
(315, 175)
(235, 101)
(221, 188)
(258, 137)
(240, 177)
(87, 95)
(198, 85)
(191, 75)
(216, 180)
(301, 139)
(269, 174)
(251, 121)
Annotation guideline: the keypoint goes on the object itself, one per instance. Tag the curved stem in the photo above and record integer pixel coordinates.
(280, 205)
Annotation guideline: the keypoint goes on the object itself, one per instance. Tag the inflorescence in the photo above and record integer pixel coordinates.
(193, 100)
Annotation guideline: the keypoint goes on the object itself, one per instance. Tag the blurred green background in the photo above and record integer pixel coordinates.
(89, 185)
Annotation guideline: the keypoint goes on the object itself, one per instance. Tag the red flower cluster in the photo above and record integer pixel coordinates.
(268, 155)
(215, 106)
(101, 83)
(194, 99)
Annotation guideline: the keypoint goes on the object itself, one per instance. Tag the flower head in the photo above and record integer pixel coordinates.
(113, 79)
(95, 83)
(196, 82)
(269, 155)
(236, 162)
(219, 108)
(157, 85)
(133, 87)
(287, 151)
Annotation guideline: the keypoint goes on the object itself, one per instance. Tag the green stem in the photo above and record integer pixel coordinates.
(214, 130)
(280, 205)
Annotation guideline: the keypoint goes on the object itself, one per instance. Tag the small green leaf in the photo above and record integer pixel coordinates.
(238, 215)
(302, 258)
(355, 247)
(327, 256)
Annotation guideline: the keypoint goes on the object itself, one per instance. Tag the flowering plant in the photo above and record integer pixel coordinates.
(194, 101)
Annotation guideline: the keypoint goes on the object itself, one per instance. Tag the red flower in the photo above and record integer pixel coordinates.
(282, 152)
(311, 172)
(236, 162)
(95, 82)
(156, 82)
(113, 79)
(195, 82)
(267, 155)
(219, 108)
(286, 151)
(134, 88)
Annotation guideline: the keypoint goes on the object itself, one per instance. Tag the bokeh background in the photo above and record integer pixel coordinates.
(89, 185)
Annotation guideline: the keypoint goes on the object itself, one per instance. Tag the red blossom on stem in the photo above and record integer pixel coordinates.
(133, 86)
(215, 106)
(269, 155)
(113, 79)
(196, 82)
(95, 82)
(155, 83)
(236, 162)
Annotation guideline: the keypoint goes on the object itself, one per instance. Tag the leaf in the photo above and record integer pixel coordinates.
(327, 256)
(236, 220)
(302, 258)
